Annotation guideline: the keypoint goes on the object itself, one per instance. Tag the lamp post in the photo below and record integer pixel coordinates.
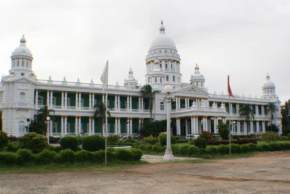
(168, 152)
(47, 130)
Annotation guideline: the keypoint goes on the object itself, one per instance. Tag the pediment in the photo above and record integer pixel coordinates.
(191, 90)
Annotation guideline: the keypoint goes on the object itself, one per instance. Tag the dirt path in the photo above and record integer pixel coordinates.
(263, 173)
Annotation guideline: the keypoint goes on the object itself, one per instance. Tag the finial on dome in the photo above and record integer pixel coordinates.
(162, 28)
(196, 69)
(268, 76)
(23, 40)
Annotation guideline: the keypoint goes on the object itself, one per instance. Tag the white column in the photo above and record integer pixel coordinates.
(128, 103)
(90, 124)
(62, 126)
(90, 100)
(230, 108)
(257, 110)
(115, 104)
(93, 100)
(51, 98)
(258, 127)
(62, 100)
(238, 127)
(205, 126)
(263, 127)
(215, 123)
(65, 125)
(65, 100)
(48, 99)
(36, 99)
(116, 126)
(76, 126)
(80, 126)
(131, 126)
(80, 101)
(245, 127)
(263, 110)
(196, 126)
(192, 122)
(118, 105)
(251, 127)
(93, 126)
(77, 100)
(178, 131)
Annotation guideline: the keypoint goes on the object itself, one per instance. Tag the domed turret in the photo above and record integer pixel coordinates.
(21, 60)
(163, 62)
(131, 82)
(269, 88)
(197, 79)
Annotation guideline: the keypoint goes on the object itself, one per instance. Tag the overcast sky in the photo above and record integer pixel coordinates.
(73, 38)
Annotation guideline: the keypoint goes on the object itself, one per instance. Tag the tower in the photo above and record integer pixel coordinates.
(21, 60)
(162, 62)
(269, 88)
(131, 82)
(197, 79)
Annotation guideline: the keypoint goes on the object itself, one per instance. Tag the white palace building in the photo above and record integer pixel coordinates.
(194, 109)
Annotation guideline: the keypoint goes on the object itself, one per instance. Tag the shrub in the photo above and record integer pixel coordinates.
(248, 148)
(8, 158)
(162, 137)
(113, 140)
(270, 136)
(272, 128)
(136, 154)
(12, 147)
(235, 148)
(45, 157)
(200, 142)
(93, 143)
(33, 141)
(157, 148)
(222, 149)
(66, 155)
(124, 154)
(3, 139)
(24, 156)
(206, 135)
(84, 156)
(150, 139)
(69, 142)
(99, 156)
(211, 150)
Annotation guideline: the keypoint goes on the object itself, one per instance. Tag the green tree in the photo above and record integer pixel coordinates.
(285, 111)
(101, 111)
(39, 122)
(223, 130)
(246, 111)
(147, 93)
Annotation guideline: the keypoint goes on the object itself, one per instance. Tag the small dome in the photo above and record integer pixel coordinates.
(268, 83)
(197, 75)
(22, 50)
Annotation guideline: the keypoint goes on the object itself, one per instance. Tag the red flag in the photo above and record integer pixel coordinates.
(230, 93)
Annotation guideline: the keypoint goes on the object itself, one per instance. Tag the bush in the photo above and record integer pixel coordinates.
(84, 156)
(272, 128)
(222, 149)
(45, 157)
(211, 150)
(67, 156)
(12, 147)
(157, 148)
(200, 142)
(124, 154)
(113, 140)
(185, 150)
(99, 156)
(69, 142)
(93, 143)
(136, 154)
(248, 148)
(24, 156)
(33, 141)
(270, 136)
(150, 139)
(3, 139)
(8, 158)
(162, 138)
(206, 135)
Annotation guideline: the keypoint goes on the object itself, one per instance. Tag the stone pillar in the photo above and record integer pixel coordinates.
(238, 109)
(116, 104)
(257, 112)
(48, 99)
(245, 128)
(119, 103)
(36, 99)
(65, 125)
(131, 126)
(93, 100)
(263, 127)
(76, 125)
(62, 126)
(128, 103)
(80, 101)
(230, 108)
(205, 126)
(251, 127)
(93, 126)
(80, 126)
(62, 100)
(196, 126)
(215, 124)
(77, 100)
(263, 110)
(192, 121)
(90, 100)
(238, 128)
(178, 131)
(116, 126)
(65, 100)
(258, 127)
(90, 124)
(51, 99)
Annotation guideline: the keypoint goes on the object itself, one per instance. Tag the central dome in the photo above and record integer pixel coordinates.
(163, 47)
(22, 50)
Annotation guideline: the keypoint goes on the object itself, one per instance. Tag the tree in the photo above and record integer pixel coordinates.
(271, 108)
(223, 130)
(39, 122)
(285, 111)
(101, 111)
(147, 93)
(246, 111)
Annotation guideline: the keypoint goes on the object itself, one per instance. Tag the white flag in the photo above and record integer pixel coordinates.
(104, 77)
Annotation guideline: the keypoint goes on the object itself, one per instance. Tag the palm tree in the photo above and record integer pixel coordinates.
(271, 108)
(246, 111)
(148, 93)
(101, 111)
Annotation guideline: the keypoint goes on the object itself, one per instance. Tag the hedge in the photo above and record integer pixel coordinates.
(46, 156)
(93, 143)
(69, 142)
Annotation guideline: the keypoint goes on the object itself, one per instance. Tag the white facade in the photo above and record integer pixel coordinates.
(194, 109)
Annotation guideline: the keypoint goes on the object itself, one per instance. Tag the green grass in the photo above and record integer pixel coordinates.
(49, 168)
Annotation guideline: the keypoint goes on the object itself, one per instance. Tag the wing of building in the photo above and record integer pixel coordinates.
(194, 109)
